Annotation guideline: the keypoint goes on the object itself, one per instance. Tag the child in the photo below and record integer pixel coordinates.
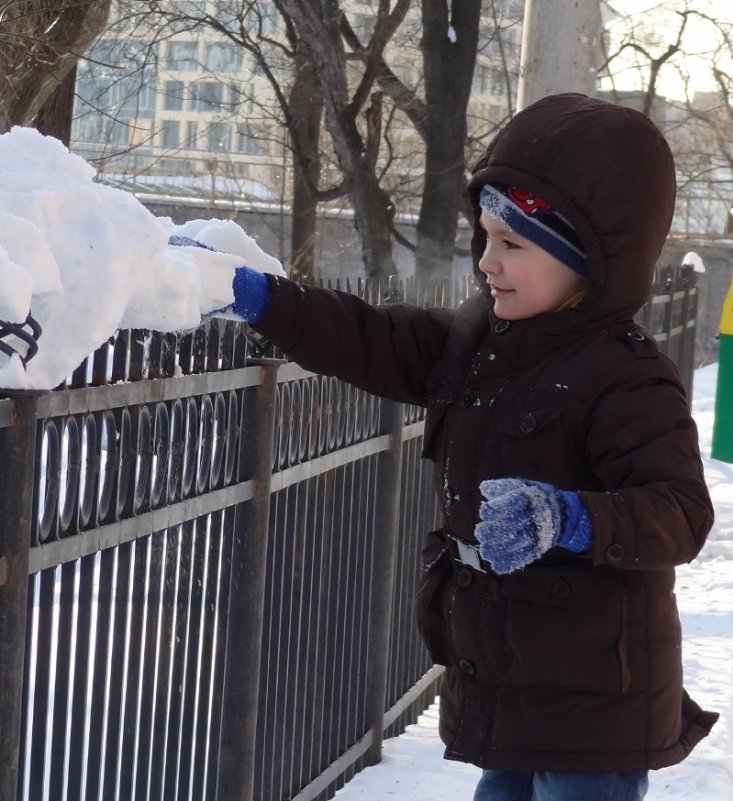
(565, 456)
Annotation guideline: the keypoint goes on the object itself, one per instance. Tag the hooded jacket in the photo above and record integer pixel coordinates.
(573, 663)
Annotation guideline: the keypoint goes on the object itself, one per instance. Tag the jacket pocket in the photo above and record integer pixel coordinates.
(566, 629)
(429, 599)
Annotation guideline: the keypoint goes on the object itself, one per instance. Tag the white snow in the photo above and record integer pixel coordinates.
(86, 259)
(413, 768)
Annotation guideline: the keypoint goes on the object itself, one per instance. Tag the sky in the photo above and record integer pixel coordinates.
(413, 769)
(657, 22)
(88, 259)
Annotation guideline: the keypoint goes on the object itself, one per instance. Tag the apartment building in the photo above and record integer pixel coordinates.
(185, 109)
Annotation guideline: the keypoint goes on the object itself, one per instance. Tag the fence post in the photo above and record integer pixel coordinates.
(235, 781)
(17, 465)
(385, 537)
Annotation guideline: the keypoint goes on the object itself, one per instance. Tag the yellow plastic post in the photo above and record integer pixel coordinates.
(723, 424)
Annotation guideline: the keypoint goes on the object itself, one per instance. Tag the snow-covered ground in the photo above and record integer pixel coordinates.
(413, 769)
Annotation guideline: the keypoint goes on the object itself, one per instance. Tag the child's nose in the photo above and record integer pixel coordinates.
(488, 263)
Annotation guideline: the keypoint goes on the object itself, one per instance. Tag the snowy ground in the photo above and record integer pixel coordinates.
(413, 768)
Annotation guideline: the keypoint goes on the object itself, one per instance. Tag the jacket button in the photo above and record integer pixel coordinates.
(615, 553)
(468, 398)
(464, 577)
(435, 387)
(502, 327)
(528, 424)
(466, 666)
(449, 494)
(562, 589)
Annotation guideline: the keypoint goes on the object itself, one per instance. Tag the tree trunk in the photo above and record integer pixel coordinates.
(448, 67)
(56, 114)
(306, 111)
(40, 41)
(317, 23)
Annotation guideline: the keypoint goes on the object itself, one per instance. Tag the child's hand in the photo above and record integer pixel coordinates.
(251, 294)
(249, 288)
(522, 519)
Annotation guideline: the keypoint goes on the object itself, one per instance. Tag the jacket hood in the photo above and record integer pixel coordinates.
(610, 171)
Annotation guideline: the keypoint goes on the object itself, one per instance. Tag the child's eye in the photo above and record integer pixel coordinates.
(509, 245)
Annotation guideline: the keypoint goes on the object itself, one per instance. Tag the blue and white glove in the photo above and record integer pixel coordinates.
(251, 288)
(522, 519)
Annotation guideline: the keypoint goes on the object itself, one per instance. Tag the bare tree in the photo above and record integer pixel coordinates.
(318, 23)
(355, 86)
(450, 41)
(658, 51)
(40, 44)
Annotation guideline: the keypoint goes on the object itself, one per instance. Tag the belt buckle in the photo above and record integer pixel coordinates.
(469, 555)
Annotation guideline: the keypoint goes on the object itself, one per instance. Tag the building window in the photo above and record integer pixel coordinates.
(481, 79)
(220, 137)
(207, 96)
(170, 135)
(192, 135)
(247, 143)
(223, 58)
(182, 56)
(268, 13)
(173, 96)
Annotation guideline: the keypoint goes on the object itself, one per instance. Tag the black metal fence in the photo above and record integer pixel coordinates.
(207, 566)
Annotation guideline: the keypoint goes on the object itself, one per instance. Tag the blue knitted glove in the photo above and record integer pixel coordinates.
(252, 293)
(522, 519)
(251, 288)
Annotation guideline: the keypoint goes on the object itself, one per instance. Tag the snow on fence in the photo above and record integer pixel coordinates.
(207, 563)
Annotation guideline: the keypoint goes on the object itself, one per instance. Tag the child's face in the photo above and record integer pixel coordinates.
(525, 280)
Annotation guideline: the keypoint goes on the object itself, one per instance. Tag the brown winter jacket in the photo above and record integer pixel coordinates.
(573, 663)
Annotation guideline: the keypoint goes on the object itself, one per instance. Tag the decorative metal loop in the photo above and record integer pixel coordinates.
(218, 448)
(49, 479)
(285, 407)
(305, 420)
(323, 415)
(205, 445)
(295, 424)
(190, 448)
(160, 456)
(107, 464)
(315, 417)
(232, 438)
(143, 461)
(70, 469)
(127, 462)
(175, 453)
(89, 470)
(276, 431)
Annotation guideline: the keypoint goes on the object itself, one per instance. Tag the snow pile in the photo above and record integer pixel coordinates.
(86, 259)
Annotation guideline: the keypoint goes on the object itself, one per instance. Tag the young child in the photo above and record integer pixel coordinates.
(565, 457)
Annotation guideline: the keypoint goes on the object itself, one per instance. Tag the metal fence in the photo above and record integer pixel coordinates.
(671, 315)
(207, 564)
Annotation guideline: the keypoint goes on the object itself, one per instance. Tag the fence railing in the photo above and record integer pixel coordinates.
(207, 564)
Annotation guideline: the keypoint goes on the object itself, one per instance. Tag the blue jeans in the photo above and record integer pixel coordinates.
(514, 785)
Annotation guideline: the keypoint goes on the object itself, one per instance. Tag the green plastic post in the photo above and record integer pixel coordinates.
(723, 424)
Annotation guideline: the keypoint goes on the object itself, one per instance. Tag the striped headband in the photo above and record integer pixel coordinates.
(535, 219)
